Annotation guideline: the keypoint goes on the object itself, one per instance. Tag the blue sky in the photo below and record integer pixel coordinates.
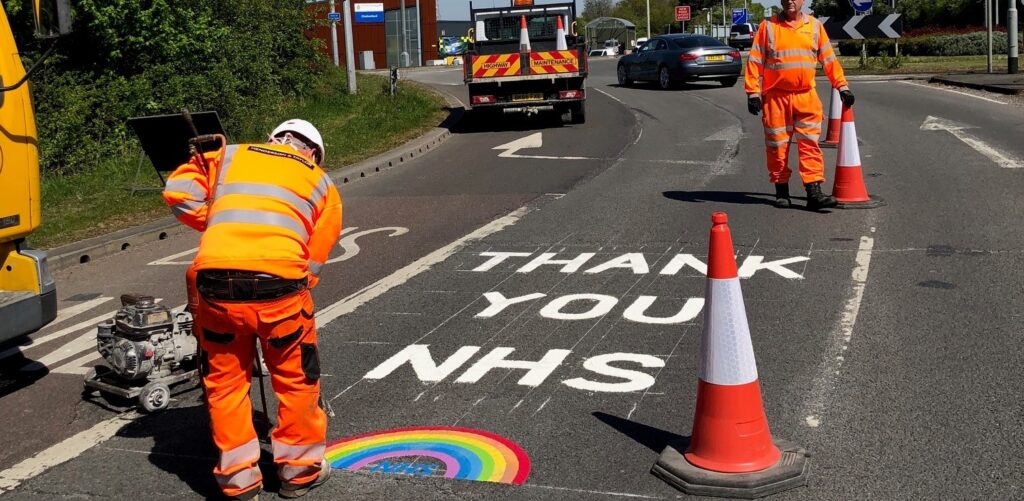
(453, 10)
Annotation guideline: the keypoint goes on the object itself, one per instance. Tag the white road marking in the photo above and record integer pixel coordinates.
(170, 260)
(840, 340)
(399, 277)
(584, 491)
(78, 366)
(348, 240)
(957, 130)
(64, 451)
(70, 311)
(609, 95)
(63, 332)
(535, 140)
(907, 82)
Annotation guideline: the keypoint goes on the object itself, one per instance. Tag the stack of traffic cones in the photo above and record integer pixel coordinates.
(832, 123)
(848, 187)
(560, 36)
(731, 452)
(524, 36)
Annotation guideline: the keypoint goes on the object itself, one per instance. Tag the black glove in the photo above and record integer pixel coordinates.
(754, 105)
(846, 97)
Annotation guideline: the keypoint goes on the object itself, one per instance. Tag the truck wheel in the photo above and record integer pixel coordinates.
(579, 113)
(623, 76)
(155, 397)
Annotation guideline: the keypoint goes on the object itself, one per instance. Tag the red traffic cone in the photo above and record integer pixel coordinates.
(731, 452)
(848, 187)
(524, 36)
(560, 36)
(833, 122)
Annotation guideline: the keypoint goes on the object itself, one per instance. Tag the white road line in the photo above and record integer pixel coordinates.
(168, 260)
(63, 332)
(584, 491)
(70, 311)
(958, 130)
(950, 90)
(609, 95)
(63, 451)
(840, 339)
(350, 303)
(77, 366)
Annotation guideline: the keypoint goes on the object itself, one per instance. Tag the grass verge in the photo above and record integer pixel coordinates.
(355, 127)
(883, 65)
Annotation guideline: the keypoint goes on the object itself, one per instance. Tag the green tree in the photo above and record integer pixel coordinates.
(593, 9)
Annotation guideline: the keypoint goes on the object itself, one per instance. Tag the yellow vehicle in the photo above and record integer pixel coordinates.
(28, 295)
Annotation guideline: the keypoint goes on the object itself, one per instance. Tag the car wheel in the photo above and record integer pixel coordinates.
(729, 82)
(664, 78)
(623, 76)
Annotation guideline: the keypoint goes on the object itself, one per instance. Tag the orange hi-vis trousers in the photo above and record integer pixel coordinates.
(796, 114)
(286, 330)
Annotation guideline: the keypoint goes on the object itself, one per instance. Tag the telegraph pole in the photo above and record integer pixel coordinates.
(1011, 33)
(334, 36)
(350, 55)
(648, 19)
(988, 23)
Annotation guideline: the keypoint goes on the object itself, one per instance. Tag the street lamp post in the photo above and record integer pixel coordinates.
(648, 19)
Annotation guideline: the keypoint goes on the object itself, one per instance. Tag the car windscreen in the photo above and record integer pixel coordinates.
(742, 29)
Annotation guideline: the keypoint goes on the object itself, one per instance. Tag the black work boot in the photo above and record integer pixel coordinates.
(817, 200)
(782, 195)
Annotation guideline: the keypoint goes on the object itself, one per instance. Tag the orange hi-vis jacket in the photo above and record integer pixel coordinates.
(785, 55)
(269, 210)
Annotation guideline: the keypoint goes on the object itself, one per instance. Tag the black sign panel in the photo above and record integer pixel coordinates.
(869, 26)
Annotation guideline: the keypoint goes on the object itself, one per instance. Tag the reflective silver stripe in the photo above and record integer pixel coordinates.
(809, 137)
(786, 66)
(248, 452)
(756, 47)
(754, 59)
(314, 266)
(189, 186)
(807, 125)
(288, 451)
(320, 191)
(240, 479)
(817, 35)
(777, 130)
(188, 207)
(795, 53)
(829, 59)
(302, 206)
(776, 144)
(771, 38)
(289, 473)
(259, 217)
(229, 155)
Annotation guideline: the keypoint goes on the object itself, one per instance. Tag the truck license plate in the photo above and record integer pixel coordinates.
(536, 96)
(714, 58)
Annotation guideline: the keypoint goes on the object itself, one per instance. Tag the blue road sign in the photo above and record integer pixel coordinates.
(861, 6)
(739, 16)
(334, 16)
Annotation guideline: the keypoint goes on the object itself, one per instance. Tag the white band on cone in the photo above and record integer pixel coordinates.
(836, 105)
(727, 356)
(849, 152)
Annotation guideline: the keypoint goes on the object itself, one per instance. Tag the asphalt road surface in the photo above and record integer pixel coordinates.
(546, 295)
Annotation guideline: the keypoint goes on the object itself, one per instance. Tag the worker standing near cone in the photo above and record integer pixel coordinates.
(780, 81)
(269, 217)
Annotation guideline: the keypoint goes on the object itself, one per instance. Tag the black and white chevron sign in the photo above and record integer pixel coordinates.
(869, 26)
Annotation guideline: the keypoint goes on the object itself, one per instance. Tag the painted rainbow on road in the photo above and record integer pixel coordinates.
(467, 454)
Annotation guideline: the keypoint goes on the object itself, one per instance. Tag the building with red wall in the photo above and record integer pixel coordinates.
(382, 38)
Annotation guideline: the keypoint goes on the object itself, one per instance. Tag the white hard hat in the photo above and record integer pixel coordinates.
(304, 129)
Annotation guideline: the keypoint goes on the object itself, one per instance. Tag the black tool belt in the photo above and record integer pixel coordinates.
(231, 285)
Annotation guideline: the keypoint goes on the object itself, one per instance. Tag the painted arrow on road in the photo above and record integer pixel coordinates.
(958, 131)
(532, 141)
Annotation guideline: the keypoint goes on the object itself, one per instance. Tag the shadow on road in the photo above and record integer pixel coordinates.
(479, 120)
(653, 438)
(653, 86)
(183, 446)
(728, 197)
(12, 377)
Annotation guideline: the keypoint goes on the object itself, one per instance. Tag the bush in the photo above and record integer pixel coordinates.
(969, 44)
(241, 58)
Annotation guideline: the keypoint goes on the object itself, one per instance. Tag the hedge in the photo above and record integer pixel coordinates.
(125, 58)
(969, 44)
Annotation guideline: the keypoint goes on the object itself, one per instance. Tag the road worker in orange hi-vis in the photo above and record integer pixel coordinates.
(269, 217)
(780, 81)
